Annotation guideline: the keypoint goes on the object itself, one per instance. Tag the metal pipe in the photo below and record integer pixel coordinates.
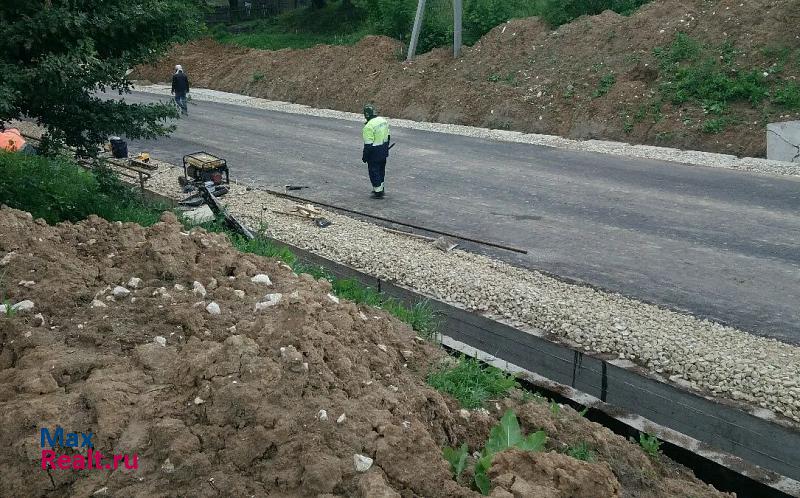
(389, 220)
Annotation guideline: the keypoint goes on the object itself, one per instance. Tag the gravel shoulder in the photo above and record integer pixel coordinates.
(717, 360)
(689, 157)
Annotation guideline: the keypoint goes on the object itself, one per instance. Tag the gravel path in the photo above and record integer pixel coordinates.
(724, 361)
(697, 158)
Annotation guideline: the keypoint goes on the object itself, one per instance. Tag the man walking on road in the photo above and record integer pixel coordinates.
(376, 148)
(180, 87)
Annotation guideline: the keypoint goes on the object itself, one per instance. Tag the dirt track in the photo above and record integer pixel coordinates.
(523, 76)
(230, 403)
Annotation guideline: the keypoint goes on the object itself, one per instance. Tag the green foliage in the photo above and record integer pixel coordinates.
(480, 16)
(503, 436)
(509, 435)
(57, 189)
(258, 76)
(555, 408)
(715, 125)
(55, 54)
(558, 12)
(472, 383)
(605, 84)
(788, 95)
(708, 76)
(10, 311)
(345, 22)
(581, 451)
(457, 459)
(650, 444)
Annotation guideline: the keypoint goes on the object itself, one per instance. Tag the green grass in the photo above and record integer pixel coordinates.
(581, 451)
(472, 383)
(710, 77)
(58, 190)
(604, 86)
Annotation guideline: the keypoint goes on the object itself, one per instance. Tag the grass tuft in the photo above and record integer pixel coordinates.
(472, 383)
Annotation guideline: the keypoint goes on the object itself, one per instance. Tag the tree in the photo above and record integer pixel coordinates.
(55, 55)
(318, 4)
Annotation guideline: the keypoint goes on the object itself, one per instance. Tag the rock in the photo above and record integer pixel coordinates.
(261, 279)
(198, 400)
(179, 287)
(160, 340)
(342, 418)
(212, 284)
(38, 320)
(27, 283)
(333, 298)
(407, 355)
(7, 258)
(322, 415)
(293, 359)
(101, 492)
(134, 283)
(120, 292)
(96, 303)
(239, 293)
(268, 301)
(213, 308)
(168, 467)
(23, 306)
(200, 215)
(464, 414)
(383, 348)
(362, 463)
(198, 289)
(3, 309)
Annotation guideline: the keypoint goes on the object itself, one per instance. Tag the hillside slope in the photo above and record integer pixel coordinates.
(701, 74)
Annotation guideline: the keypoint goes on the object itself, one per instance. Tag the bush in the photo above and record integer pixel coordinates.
(57, 189)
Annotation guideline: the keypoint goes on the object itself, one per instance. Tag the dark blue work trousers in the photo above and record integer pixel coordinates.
(377, 172)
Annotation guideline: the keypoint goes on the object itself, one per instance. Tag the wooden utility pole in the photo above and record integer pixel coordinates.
(457, 11)
(412, 46)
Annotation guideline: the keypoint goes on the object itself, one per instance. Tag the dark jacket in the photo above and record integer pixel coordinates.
(180, 84)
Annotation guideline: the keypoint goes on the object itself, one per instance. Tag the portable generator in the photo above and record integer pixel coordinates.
(204, 167)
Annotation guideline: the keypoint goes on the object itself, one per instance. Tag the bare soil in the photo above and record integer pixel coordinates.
(229, 404)
(524, 76)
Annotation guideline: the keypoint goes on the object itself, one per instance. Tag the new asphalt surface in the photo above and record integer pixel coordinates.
(717, 243)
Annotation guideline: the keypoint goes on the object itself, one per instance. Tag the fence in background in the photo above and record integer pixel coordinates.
(252, 9)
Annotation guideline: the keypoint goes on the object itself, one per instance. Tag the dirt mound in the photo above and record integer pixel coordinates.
(153, 340)
(524, 76)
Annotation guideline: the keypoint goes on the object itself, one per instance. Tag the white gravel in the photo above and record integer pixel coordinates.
(699, 354)
(691, 157)
(691, 352)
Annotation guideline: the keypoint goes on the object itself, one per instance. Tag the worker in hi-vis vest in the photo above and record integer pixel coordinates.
(376, 148)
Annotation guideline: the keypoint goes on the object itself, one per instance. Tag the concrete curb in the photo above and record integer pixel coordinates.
(737, 450)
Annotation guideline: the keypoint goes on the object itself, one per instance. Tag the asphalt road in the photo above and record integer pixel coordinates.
(718, 243)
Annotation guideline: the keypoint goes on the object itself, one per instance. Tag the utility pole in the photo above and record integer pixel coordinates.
(457, 11)
(412, 46)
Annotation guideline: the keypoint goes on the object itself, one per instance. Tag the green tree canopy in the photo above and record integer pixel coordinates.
(55, 55)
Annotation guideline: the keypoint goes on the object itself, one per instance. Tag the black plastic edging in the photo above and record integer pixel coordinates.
(769, 445)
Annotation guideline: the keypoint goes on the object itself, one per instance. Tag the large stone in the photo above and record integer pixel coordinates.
(200, 215)
(783, 141)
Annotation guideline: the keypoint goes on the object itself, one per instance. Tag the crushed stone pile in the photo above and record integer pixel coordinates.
(228, 374)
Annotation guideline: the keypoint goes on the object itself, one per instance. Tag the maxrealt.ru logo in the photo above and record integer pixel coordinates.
(78, 441)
